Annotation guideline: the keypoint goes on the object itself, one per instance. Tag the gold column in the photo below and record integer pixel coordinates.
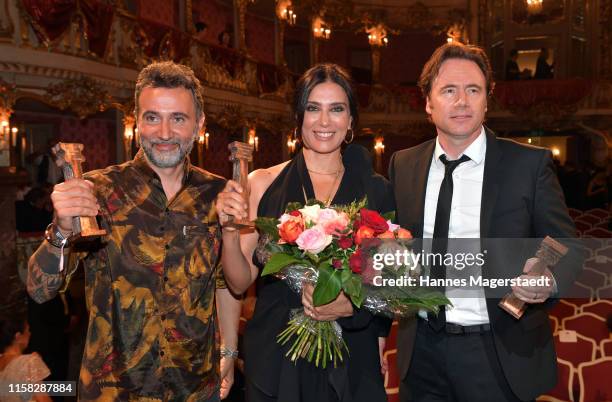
(375, 64)
(239, 10)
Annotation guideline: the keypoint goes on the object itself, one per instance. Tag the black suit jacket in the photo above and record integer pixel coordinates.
(521, 198)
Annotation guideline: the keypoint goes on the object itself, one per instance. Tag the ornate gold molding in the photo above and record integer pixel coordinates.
(8, 96)
(605, 21)
(6, 24)
(84, 96)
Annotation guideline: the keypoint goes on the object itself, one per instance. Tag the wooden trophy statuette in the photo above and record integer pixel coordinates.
(70, 159)
(240, 156)
(548, 255)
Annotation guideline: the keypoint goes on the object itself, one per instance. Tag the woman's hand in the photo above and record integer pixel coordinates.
(231, 202)
(340, 307)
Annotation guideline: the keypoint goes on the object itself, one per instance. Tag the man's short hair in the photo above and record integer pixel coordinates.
(455, 50)
(167, 74)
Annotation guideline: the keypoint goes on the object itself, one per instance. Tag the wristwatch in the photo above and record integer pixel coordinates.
(55, 237)
(226, 352)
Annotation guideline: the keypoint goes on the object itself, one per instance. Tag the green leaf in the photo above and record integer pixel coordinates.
(345, 276)
(354, 288)
(268, 226)
(328, 285)
(389, 216)
(278, 262)
(293, 206)
(357, 300)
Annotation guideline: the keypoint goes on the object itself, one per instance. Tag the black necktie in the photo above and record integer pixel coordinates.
(440, 234)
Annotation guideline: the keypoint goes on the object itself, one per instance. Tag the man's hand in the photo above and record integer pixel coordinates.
(227, 375)
(230, 202)
(384, 364)
(534, 294)
(74, 197)
(341, 307)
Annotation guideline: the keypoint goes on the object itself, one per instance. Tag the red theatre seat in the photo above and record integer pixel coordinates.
(391, 378)
(606, 348)
(589, 325)
(601, 308)
(582, 350)
(563, 309)
(598, 212)
(594, 380)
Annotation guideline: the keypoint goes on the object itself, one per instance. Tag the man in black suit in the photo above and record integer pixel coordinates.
(467, 183)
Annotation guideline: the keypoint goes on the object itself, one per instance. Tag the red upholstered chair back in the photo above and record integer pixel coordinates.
(589, 325)
(606, 348)
(595, 380)
(601, 308)
(583, 350)
(563, 309)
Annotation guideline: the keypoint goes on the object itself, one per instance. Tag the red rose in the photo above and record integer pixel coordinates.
(364, 232)
(295, 213)
(403, 234)
(374, 220)
(345, 242)
(291, 229)
(337, 264)
(355, 262)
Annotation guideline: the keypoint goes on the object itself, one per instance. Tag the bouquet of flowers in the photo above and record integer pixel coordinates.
(333, 249)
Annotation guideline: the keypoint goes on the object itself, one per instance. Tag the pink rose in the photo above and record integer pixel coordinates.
(392, 226)
(313, 240)
(333, 223)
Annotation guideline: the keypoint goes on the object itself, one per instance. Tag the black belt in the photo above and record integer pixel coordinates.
(456, 329)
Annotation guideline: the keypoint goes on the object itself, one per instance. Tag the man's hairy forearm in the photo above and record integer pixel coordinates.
(44, 278)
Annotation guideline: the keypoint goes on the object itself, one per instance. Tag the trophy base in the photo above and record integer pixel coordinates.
(92, 233)
(241, 224)
(513, 305)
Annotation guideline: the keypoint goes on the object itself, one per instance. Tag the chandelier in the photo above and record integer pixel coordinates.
(534, 6)
(377, 36)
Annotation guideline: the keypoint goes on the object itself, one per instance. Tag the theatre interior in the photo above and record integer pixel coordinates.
(68, 70)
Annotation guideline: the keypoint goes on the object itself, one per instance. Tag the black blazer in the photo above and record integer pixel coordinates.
(521, 198)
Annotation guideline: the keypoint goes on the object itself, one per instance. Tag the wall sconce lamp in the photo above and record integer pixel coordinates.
(284, 11)
(320, 29)
(377, 36)
(253, 139)
(379, 146)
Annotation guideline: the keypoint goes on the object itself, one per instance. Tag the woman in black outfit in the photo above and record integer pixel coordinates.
(326, 112)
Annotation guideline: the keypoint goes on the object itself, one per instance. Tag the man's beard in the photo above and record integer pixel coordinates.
(167, 159)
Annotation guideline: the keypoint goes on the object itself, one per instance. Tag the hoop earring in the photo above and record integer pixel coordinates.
(295, 133)
(352, 136)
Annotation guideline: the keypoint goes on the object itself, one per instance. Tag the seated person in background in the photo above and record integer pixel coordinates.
(512, 68)
(201, 31)
(16, 367)
(544, 70)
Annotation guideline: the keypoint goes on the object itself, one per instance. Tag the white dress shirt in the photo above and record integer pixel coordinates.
(469, 308)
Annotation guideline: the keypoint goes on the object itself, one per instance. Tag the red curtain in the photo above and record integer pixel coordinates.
(52, 18)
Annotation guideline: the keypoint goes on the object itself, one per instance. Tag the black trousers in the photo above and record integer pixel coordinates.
(454, 368)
